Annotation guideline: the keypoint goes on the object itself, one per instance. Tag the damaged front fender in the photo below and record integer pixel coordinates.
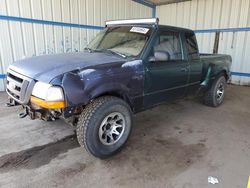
(122, 79)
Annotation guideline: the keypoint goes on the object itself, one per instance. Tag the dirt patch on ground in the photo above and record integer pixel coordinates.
(155, 158)
(147, 159)
(36, 156)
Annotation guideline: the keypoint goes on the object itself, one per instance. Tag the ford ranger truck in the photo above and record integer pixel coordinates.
(129, 67)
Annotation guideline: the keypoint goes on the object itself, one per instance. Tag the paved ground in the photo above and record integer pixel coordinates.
(175, 145)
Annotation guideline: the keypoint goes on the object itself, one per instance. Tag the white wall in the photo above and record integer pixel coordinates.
(21, 39)
(215, 14)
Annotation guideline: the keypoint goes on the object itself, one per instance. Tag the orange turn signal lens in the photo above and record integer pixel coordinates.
(47, 104)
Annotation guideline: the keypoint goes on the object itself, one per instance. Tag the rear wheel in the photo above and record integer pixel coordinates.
(104, 126)
(215, 95)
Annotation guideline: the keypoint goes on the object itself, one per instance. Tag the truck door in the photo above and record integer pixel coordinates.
(166, 79)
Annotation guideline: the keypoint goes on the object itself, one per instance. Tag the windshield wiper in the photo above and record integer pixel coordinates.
(113, 52)
(105, 50)
(118, 53)
(89, 49)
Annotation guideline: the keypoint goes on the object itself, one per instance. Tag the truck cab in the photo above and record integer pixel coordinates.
(172, 65)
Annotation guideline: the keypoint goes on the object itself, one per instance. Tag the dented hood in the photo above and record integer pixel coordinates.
(45, 68)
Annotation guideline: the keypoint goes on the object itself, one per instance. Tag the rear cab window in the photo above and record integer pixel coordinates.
(191, 46)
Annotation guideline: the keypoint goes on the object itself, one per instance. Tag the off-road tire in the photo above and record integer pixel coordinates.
(210, 98)
(90, 121)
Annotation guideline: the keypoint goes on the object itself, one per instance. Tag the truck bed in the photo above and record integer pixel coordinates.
(209, 56)
(215, 58)
(215, 61)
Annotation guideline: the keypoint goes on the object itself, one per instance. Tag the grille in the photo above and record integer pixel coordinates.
(19, 87)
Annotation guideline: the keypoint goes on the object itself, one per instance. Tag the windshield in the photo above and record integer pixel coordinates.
(125, 40)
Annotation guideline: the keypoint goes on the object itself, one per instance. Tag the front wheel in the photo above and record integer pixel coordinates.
(215, 95)
(104, 126)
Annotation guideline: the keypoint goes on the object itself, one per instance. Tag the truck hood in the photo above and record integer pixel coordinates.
(45, 68)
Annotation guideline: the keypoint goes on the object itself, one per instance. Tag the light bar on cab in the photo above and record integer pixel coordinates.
(133, 21)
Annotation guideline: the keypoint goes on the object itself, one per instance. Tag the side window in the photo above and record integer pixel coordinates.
(192, 47)
(169, 42)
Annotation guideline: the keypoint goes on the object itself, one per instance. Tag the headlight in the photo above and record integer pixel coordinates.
(54, 94)
(47, 96)
(40, 90)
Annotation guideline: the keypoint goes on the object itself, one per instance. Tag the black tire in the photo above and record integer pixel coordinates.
(92, 118)
(211, 97)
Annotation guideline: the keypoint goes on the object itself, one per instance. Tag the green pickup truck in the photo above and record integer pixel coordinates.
(130, 66)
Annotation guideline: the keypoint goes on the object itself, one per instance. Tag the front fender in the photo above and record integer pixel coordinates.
(80, 87)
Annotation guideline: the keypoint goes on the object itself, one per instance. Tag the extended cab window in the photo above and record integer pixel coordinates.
(169, 42)
(192, 47)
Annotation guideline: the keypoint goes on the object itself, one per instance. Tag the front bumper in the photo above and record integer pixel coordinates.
(35, 112)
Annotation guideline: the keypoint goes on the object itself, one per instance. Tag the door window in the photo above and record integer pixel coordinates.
(169, 42)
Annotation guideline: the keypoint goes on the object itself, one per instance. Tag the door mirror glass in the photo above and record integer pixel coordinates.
(160, 56)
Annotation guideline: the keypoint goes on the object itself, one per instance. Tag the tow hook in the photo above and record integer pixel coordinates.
(11, 103)
(22, 115)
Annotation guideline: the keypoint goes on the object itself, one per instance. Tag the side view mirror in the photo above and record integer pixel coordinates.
(160, 56)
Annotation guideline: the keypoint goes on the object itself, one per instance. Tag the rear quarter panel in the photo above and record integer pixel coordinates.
(215, 64)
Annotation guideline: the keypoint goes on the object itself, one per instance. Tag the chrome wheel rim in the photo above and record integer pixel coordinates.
(220, 91)
(112, 128)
